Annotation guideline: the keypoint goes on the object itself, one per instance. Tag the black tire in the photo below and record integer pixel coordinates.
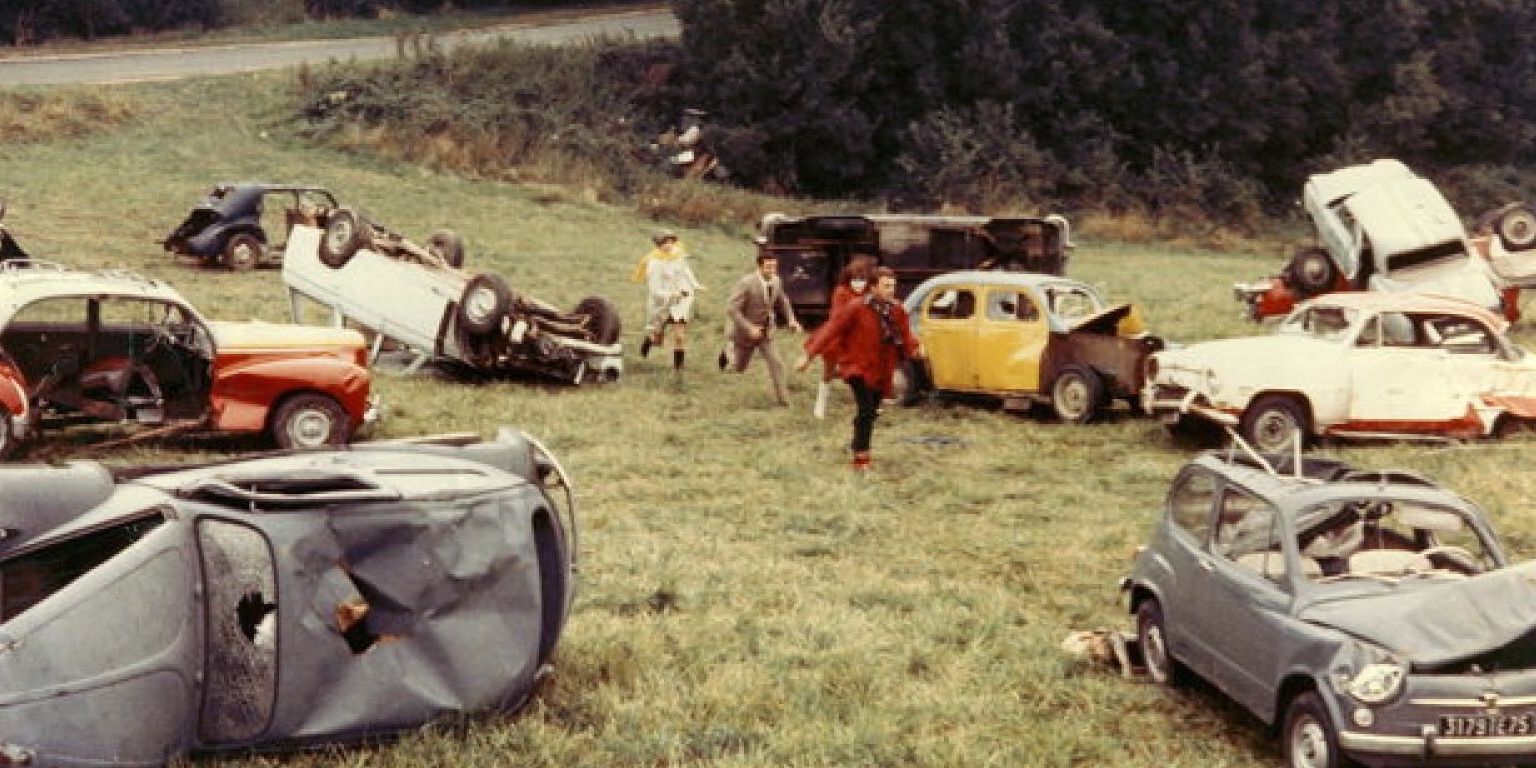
(603, 320)
(486, 300)
(343, 236)
(448, 246)
(1517, 228)
(1271, 422)
(310, 421)
(244, 252)
(1152, 638)
(1514, 428)
(908, 384)
(1308, 738)
(8, 441)
(1193, 431)
(1312, 271)
(1076, 394)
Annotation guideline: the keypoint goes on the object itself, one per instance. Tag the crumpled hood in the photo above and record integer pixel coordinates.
(1434, 624)
(1107, 322)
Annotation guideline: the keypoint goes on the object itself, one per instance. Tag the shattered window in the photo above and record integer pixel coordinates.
(32, 578)
(1378, 537)
(242, 632)
(1327, 323)
(1189, 504)
(1072, 303)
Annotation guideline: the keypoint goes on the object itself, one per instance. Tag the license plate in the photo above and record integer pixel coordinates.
(1487, 725)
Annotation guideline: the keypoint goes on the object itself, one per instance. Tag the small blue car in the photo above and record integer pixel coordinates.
(245, 225)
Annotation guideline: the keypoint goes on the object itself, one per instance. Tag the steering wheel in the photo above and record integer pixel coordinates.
(1457, 557)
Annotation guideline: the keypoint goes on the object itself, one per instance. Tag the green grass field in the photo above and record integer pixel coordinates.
(744, 600)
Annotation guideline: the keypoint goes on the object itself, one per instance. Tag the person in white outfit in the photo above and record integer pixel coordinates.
(670, 291)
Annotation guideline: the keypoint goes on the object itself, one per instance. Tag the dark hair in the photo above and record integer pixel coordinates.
(764, 255)
(862, 265)
(884, 272)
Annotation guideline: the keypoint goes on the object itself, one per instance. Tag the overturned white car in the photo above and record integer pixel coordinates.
(1370, 365)
(420, 298)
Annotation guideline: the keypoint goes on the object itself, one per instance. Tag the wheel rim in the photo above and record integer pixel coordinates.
(1072, 397)
(479, 305)
(339, 234)
(1274, 430)
(309, 428)
(1520, 228)
(1155, 651)
(1309, 744)
(1314, 271)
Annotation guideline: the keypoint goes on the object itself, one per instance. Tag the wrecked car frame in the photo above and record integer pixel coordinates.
(246, 225)
(1025, 338)
(276, 602)
(1369, 615)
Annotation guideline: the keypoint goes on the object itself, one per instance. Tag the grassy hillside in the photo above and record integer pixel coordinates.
(744, 601)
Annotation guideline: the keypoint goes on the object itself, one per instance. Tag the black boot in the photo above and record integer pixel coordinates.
(645, 347)
(677, 359)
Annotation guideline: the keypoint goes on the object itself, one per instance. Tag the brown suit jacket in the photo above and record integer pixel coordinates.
(750, 303)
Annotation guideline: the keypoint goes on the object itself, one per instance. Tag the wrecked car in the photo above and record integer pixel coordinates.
(380, 281)
(1353, 365)
(1367, 615)
(286, 601)
(245, 225)
(110, 347)
(812, 250)
(1025, 338)
(1380, 227)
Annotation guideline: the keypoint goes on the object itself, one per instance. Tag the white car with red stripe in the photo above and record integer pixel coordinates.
(1367, 365)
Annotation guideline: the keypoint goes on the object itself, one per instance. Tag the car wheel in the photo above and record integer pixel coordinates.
(603, 320)
(8, 439)
(485, 302)
(907, 383)
(343, 236)
(1152, 637)
(243, 252)
(1273, 421)
(1309, 740)
(1517, 228)
(1076, 394)
(310, 421)
(1313, 271)
(448, 246)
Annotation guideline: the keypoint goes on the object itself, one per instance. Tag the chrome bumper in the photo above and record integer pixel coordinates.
(1430, 744)
(1170, 409)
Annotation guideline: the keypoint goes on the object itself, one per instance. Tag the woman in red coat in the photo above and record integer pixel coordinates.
(851, 285)
(868, 338)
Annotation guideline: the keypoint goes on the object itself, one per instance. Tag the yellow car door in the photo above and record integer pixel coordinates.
(947, 331)
(1011, 334)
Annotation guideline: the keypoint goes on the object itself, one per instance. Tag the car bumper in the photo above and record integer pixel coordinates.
(1172, 403)
(1426, 747)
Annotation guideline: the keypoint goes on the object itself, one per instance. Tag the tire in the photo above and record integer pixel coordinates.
(485, 302)
(8, 441)
(603, 320)
(448, 246)
(1308, 738)
(1152, 638)
(1312, 271)
(1076, 394)
(1271, 422)
(1514, 428)
(343, 236)
(1517, 228)
(907, 384)
(310, 421)
(244, 252)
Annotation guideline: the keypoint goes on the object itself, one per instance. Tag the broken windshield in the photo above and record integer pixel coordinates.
(1324, 322)
(1389, 541)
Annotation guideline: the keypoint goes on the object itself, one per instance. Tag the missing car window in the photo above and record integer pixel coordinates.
(32, 578)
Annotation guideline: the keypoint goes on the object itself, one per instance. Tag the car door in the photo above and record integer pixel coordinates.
(947, 329)
(1011, 334)
(1182, 549)
(101, 632)
(1242, 597)
(1416, 372)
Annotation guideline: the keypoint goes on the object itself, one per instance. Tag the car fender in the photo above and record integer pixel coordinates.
(242, 396)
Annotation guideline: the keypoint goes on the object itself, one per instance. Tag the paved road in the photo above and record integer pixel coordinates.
(174, 64)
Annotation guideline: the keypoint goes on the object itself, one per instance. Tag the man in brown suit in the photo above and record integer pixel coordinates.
(756, 305)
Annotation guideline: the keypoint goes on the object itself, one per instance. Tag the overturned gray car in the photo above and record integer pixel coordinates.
(1371, 616)
(282, 601)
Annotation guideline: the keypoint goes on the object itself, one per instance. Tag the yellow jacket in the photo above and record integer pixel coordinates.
(660, 254)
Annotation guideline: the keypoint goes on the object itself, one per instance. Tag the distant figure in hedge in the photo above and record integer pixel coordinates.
(670, 290)
(868, 337)
(756, 305)
(851, 285)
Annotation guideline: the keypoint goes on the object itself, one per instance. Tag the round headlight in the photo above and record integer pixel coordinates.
(1376, 683)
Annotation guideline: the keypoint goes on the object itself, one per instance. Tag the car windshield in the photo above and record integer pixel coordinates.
(1321, 322)
(1072, 302)
(1389, 541)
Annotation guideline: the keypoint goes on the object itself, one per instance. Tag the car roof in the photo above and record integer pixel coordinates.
(1394, 301)
(997, 277)
(1290, 493)
(21, 285)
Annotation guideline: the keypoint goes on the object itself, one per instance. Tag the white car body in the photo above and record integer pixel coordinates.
(1356, 364)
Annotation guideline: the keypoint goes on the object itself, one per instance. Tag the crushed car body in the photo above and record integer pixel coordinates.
(112, 347)
(1368, 615)
(246, 225)
(286, 601)
(1379, 227)
(420, 298)
(1367, 365)
(1026, 338)
(812, 250)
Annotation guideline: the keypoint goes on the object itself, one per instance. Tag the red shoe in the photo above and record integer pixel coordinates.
(861, 461)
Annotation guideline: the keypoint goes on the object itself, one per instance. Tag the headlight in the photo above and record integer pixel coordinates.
(1376, 683)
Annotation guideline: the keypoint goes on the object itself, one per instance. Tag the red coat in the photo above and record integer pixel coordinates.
(852, 338)
(841, 295)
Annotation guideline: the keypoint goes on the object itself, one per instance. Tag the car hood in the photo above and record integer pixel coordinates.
(255, 334)
(1109, 322)
(1439, 623)
(1245, 350)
